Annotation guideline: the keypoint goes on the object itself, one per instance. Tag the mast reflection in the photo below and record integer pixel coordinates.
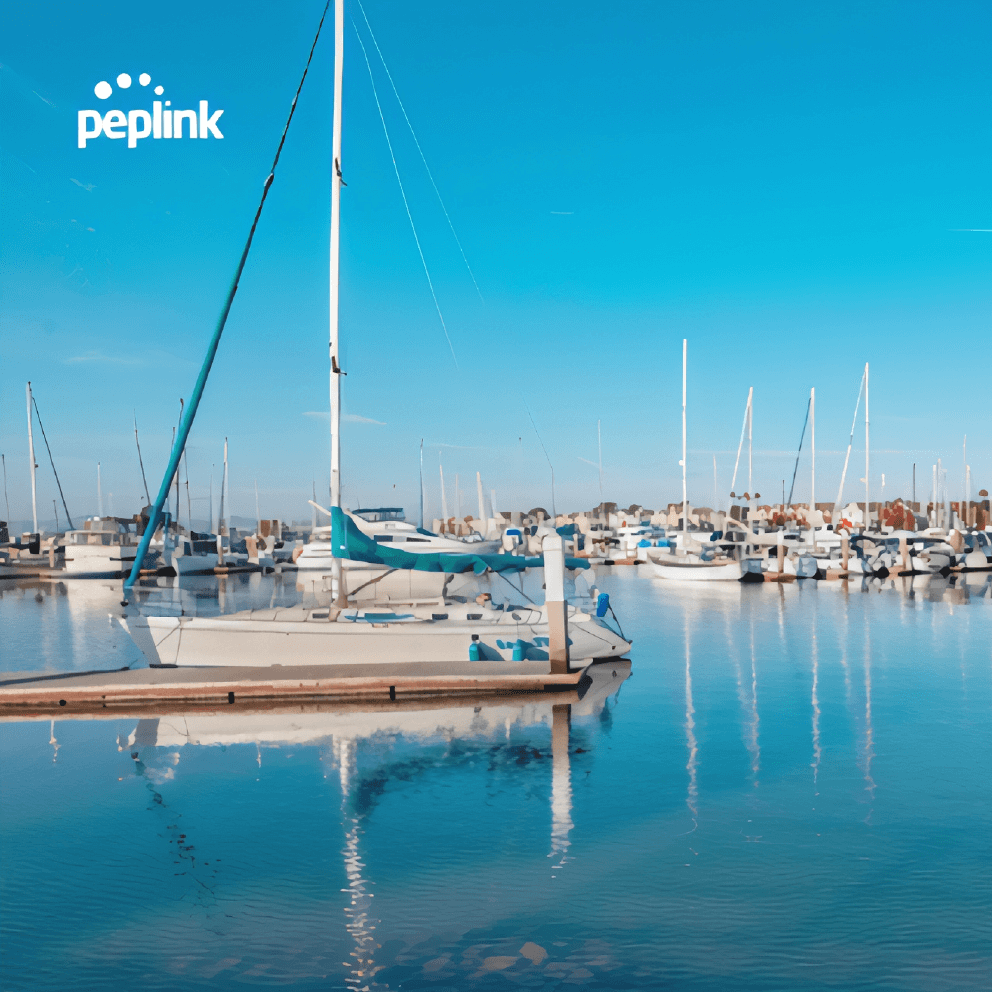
(692, 796)
(754, 746)
(869, 745)
(561, 782)
(815, 703)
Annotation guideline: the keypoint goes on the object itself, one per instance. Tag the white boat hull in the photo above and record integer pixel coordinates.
(696, 571)
(98, 560)
(299, 636)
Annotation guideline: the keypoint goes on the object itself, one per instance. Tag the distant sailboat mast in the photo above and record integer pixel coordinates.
(867, 504)
(34, 485)
(850, 444)
(599, 438)
(685, 496)
(812, 481)
(337, 588)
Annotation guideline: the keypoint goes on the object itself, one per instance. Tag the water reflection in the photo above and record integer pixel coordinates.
(869, 744)
(753, 745)
(561, 783)
(692, 794)
(815, 701)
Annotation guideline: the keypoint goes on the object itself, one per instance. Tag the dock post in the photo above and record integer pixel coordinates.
(781, 552)
(845, 552)
(554, 601)
(904, 553)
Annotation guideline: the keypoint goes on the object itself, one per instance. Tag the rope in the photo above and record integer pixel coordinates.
(423, 157)
(796, 469)
(190, 414)
(52, 460)
(3, 458)
(406, 204)
(140, 462)
(554, 509)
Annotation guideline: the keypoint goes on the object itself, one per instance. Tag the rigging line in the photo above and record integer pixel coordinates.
(37, 413)
(740, 445)
(406, 204)
(140, 462)
(208, 360)
(423, 157)
(850, 442)
(546, 455)
(3, 458)
(796, 469)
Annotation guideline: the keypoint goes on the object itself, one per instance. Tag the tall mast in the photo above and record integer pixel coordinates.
(99, 494)
(334, 341)
(599, 438)
(444, 498)
(685, 497)
(867, 504)
(963, 507)
(750, 420)
(812, 481)
(421, 483)
(34, 487)
(225, 507)
(482, 501)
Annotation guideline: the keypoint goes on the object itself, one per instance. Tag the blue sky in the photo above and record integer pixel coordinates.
(784, 185)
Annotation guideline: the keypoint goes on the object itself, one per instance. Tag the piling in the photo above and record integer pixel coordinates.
(554, 600)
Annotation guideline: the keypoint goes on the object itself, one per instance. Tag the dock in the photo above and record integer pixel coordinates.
(133, 689)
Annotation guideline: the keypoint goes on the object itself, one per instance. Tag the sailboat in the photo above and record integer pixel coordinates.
(692, 560)
(428, 634)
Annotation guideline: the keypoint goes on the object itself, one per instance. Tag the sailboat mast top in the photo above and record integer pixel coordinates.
(867, 504)
(685, 496)
(34, 488)
(812, 437)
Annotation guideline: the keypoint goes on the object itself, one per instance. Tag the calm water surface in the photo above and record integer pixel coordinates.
(793, 790)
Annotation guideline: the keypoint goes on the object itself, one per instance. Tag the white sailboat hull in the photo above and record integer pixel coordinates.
(309, 640)
(98, 560)
(696, 571)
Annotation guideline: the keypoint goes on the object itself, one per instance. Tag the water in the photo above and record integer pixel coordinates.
(793, 790)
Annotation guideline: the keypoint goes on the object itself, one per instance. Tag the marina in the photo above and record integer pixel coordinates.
(360, 666)
(764, 733)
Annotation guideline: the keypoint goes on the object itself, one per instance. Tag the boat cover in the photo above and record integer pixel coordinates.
(350, 542)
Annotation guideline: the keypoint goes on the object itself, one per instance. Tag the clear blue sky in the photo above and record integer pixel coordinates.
(782, 184)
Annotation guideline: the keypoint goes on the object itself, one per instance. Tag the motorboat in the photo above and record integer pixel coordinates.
(105, 547)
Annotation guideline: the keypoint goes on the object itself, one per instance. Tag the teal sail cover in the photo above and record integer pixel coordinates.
(349, 542)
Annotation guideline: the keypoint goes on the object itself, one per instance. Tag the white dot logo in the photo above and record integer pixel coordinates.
(155, 121)
(104, 90)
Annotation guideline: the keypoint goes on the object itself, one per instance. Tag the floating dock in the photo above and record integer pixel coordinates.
(31, 693)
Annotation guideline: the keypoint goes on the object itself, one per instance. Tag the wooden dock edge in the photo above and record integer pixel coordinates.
(63, 700)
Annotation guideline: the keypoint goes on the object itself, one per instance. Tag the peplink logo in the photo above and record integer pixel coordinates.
(135, 125)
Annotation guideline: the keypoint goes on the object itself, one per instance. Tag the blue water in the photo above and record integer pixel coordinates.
(792, 791)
